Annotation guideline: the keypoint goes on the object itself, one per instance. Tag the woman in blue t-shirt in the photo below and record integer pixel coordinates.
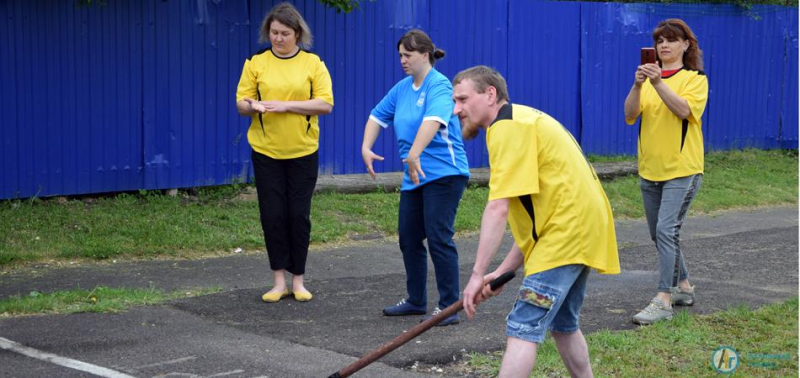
(420, 108)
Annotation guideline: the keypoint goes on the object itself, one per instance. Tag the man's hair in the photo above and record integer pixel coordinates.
(288, 15)
(483, 77)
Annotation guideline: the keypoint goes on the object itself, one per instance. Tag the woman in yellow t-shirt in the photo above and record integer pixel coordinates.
(283, 89)
(670, 95)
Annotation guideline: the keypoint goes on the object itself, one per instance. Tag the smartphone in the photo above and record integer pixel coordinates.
(648, 55)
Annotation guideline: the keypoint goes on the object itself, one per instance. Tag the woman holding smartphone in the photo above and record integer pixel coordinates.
(420, 109)
(670, 95)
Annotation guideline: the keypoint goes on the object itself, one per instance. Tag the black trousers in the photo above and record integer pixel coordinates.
(284, 190)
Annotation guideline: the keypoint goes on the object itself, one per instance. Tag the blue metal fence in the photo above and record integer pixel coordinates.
(140, 94)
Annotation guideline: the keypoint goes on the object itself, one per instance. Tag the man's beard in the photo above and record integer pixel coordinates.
(469, 130)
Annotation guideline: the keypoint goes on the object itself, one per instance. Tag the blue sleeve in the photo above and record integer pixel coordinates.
(439, 105)
(383, 113)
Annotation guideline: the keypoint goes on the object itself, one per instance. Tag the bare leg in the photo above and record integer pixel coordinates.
(574, 352)
(297, 284)
(519, 358)
(278, 281)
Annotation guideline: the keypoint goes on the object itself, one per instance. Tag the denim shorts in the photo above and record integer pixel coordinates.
(549, 300)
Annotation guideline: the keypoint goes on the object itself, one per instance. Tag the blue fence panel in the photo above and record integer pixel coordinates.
(70, 115)
(472, 33)
(10, 163)
(744, 64)
(611, 37)
(136, 95)
(789, 113)
(544, 59)
(191, 137)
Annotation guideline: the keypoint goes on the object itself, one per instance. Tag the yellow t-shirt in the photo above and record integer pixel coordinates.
(559, 214)
(267, 77)
(670, 147)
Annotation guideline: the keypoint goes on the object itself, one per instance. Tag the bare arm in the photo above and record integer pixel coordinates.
(512, 262)
(371, 131)
(248, 107)
(493, 225)
(676, 104)
(632, 104)
(424, 136)
(308, 107)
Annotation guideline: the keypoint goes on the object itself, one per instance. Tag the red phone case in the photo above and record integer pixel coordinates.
(648, 55)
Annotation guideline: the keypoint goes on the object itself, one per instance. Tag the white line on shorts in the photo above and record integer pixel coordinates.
(58, 360)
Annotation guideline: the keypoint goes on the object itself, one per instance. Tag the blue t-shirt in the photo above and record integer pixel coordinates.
(406, 107)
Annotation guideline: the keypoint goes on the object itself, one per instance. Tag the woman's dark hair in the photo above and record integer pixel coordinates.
(674, 28)
(288, 15)
(417, 40)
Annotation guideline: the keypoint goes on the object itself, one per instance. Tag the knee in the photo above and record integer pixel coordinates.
(439, 232)
(410, 242)
(557, 335)
(665, 232)
(299, 214)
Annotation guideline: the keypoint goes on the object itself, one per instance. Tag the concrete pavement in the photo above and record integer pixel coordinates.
(740, 257)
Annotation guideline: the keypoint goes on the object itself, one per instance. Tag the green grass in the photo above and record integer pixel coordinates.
(100, 299)
(217, 220)
(610, 158)
(732, 179)
(765, 339)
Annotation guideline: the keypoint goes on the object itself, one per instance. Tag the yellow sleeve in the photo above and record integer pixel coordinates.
(631, 121)
(513, 160)
(248, 84)
(321, 84)
(696, 94)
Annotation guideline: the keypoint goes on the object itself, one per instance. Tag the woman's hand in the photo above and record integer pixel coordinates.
(255, 106)
(369, 157)
(652, 71)
(639, 77)
(414, 168)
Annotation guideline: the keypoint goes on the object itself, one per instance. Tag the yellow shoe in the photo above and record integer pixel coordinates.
(302, 296)
(272, 297)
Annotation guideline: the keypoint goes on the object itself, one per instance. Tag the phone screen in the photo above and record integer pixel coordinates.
(648, 55)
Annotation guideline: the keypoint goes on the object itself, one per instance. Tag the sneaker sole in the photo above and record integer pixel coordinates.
(640, 322)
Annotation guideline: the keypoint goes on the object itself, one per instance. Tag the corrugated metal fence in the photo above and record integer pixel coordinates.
(140, 94)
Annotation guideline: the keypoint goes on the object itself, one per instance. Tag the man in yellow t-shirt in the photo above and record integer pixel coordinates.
(559, 216)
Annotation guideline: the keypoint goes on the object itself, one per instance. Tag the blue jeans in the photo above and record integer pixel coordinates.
(548, 300)
(665, 205)
(428, 212)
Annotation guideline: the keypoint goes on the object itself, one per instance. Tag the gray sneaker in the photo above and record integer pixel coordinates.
(680, 297)
(654, 312)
